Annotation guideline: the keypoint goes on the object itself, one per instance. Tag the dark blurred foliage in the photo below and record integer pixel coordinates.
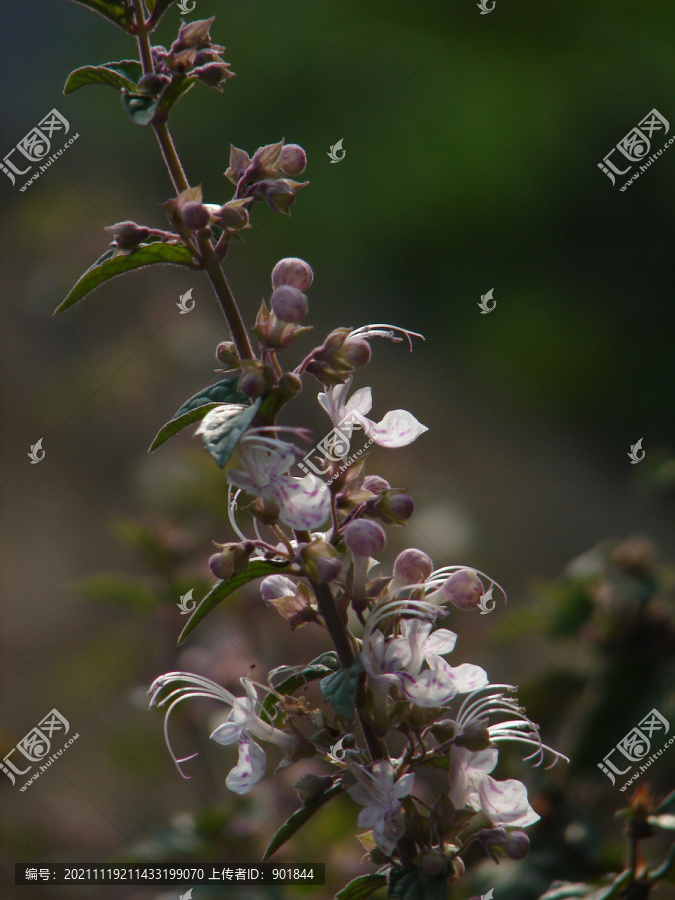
(472, 147)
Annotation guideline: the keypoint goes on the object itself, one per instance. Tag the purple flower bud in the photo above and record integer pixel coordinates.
(413, 566)
(280, 194)
(288, 304)
(494, 841)
(356, 352)
(395, 506)
(195, 216)
(364, 537)
(433, 863)
(231, 560)
(233, 215)
(375, 484)
(321, 561)
(294, 272)
(275, 586)
(226, 353)
(517, 845)
(255, 380)
(128, 235)
(213, 74)
(463, 589)
(293, 159)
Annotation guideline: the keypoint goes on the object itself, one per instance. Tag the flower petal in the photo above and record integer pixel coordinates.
(398, 429)
(369, 816)
(404, 785)
(388, 831)
(465, 678)
(250, 768)
(505, 802)
(361, 401)
(439, 643)
(304, 502)
(227, 733)
(430, 688)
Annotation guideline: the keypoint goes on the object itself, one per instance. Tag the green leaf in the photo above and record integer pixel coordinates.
(172, 92)
(196, 407)
(362, 887)
(113, 10)
(222, 437)
(340, 688)
(412, 884)
(298, 819)
(123, 75)
(109, 266)
(318, 668)
(157, 9)
(257, 568)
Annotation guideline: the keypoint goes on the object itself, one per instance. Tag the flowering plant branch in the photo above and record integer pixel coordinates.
(315, 529)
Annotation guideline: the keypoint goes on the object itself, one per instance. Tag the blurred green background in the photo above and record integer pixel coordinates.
(472, 144)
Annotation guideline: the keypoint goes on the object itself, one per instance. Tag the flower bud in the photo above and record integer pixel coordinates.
(226, 353)
(321, 561)
(494, 842)
(128, 235)
(239, 162)
(356, 353)
(433, 863)
(293, 271)
(413, 566)
(375, 484)
(274, 586)
(255, 379)
(463, 589)
(517, 845)
(288, 304)
(364, 537)
(475, 736)
(280, 195)
(289, 385)
(293, 159)
(213, 74)
(310, 786)
(195, 216)
(393, 506)
(193, 34)
(233, 215)
(231, 560)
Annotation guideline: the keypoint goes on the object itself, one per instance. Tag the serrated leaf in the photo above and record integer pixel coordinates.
(221, 439)
(362, 887)
(194, 409)
(123, 75)
(318, 668)
(298, 819)
(340, 688)
(113, 10)
(110, 266)
(257, 568)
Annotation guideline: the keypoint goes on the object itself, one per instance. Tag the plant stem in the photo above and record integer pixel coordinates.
(180, 183)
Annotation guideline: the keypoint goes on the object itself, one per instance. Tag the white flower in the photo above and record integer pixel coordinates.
(399, 660)
(397, 429)
(304, 503)
(380, 794)
(243, 724)
(503, 802)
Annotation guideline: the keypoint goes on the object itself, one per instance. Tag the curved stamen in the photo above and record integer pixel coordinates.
(386, 331)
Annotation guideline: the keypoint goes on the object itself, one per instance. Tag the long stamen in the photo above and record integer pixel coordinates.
(386, 331)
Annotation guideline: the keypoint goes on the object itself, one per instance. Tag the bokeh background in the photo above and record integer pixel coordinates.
(472, 144)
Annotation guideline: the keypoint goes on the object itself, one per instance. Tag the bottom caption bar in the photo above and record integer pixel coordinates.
(210, 873)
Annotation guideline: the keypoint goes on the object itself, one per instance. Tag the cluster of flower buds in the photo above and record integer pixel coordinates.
(193, 54)
(269, 174)
(337, 358)
(190, 215)
(278, 325)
